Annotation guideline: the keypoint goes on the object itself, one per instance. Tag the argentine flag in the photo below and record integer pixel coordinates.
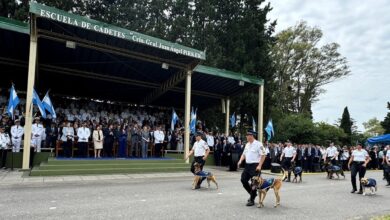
(46, 102)
(233, 120)
(270, 130)
(193, 120)
(253, 124)
(37, 101)
(174, 120)
(13, 101)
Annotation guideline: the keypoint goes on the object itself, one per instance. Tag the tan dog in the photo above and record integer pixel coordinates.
(263, 185)
(199, 174)
(369, 183)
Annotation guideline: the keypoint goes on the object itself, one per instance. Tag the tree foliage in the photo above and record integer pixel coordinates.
(373, 127)
(386, 122)
(346, 125)
(303, 67)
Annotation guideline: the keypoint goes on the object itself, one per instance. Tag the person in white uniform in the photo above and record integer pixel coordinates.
(201, 151)
(288, 156)
(254, 156)
(357, 164)
(17, 132)
(331, 154)
(83, 134)
(4, 145)
(36, 135)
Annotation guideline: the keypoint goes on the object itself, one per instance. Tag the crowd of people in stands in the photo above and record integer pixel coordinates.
(133, 130)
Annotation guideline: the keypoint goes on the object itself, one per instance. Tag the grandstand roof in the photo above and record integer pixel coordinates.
(78, 56)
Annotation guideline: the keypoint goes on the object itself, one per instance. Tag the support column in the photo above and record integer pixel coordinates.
(260, 113)
(187, 115)
(227, 124)
(30, 87)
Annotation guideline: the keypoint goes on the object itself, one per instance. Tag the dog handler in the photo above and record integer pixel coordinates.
(288, 156)
(200, 150)
(254, 156)
(359, 160)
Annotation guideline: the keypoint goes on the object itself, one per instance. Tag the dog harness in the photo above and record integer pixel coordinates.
(334, 168)
(203, 173)
(268, 183)
(297, 170)
(371, 182)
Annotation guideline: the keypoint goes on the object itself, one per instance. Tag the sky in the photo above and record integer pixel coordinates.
(362, 29)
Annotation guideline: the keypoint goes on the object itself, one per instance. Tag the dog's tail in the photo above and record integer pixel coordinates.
(284, 176)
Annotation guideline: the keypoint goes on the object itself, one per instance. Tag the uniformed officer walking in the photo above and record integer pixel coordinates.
(288, 156)
(17, 132)
(201, 151)
(254, 156)
(331, 154)
(359, 160)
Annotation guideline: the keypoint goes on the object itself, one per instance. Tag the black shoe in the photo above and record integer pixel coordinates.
(360, 192)
(388, 184)
(250, 203)
(353, 191)
(197, 187)
(288, 181)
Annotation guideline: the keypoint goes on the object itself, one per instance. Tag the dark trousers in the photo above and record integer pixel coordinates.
(51, 141)
(157, 149)
(200, 161)
(247, 174)
(332, 161)
(107, 147)
(3, 153)
(217, 157)
(67, 148)
(286, 165)
(308, 166)
(357, 167)
(386, 172)
(83, 148)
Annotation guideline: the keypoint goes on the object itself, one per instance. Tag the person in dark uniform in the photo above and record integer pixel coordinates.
(254, 156)
(201, 151)
(234, 153)
(218, 149)
(288, 155)
(109, 137)
(359, 160)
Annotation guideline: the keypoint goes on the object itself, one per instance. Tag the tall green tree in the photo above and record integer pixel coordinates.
(386, 122)
(303, 67)
(346, 125)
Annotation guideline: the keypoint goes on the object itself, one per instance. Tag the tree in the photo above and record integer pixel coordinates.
(346, 125)
(326, 133)
(386, 122)
(373, 127)
(303, 67)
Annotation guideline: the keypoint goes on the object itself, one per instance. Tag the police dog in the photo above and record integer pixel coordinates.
(297, 170)
(199, 174)
(369, 183)
(263, 185)
(333, 169)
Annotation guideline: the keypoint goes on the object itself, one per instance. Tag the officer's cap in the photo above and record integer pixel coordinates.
(251, 132)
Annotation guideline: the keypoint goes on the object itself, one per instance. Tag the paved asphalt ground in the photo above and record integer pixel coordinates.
(169, 196)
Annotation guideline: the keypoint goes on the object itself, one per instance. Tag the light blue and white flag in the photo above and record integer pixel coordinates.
(253, 124)
(269, 129)
(46, 102)
(13, 102)
(174, 120)
(37, 101)
(233, 120)
(193, 120)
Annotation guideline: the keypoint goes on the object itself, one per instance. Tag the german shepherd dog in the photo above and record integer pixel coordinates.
(333, 169)
(369, 183)
(199, 174)
(297, 170)
(263, 185)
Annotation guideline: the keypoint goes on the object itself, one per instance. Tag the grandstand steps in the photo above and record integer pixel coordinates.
(56, 167)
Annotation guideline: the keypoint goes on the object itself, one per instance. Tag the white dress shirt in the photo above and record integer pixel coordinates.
(359, 155)
(83, 133)
(17, 132)
(200, 148)
(289, 151)
(253, 152)
(158, 136)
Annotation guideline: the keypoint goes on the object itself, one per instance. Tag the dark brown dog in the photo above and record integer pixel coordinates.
(200, 173)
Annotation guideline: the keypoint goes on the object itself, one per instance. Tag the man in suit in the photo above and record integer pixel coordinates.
(218, 152)
(51, 135)
(109, 138)
(308, 156)
(316, 159)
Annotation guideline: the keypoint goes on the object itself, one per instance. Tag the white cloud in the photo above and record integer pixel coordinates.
(362, 28)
